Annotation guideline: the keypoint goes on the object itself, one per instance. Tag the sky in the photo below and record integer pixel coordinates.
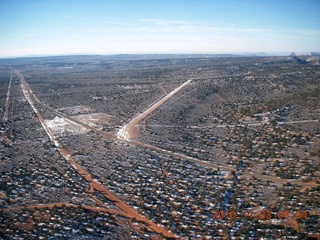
(59, 27)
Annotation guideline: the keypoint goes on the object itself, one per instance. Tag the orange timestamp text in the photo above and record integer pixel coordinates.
(264, 214)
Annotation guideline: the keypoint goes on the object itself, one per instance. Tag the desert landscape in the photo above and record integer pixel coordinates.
(160, 147)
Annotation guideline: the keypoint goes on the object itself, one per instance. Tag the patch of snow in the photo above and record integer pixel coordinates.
(60, 126)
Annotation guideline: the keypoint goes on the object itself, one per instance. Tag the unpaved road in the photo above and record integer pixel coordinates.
(94, 184)
(127, 132)
(6, 111)
(167, 152)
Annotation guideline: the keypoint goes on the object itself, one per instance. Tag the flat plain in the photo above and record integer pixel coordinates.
(160, 146)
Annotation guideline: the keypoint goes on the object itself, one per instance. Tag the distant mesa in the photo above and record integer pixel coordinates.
(292, 54)
(315, 54)
(310, 58)
(258, 54)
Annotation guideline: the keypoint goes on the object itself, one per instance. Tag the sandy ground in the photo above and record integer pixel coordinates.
(61, 126)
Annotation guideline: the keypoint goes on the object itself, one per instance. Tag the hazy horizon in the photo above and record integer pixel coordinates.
(52, 28)
(258, 54)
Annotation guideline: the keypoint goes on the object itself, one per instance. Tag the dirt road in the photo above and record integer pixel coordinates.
(94, 184)
(167, 152)
(128, 131)
(6, 111)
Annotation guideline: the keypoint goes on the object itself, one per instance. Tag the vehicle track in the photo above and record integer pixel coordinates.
(94, 184)
(184, 157)
(127, 132)
(6, 111)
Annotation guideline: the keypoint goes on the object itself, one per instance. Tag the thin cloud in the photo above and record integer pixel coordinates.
(163, 22)
(307, 32)
(182, 26)
(248, 30)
